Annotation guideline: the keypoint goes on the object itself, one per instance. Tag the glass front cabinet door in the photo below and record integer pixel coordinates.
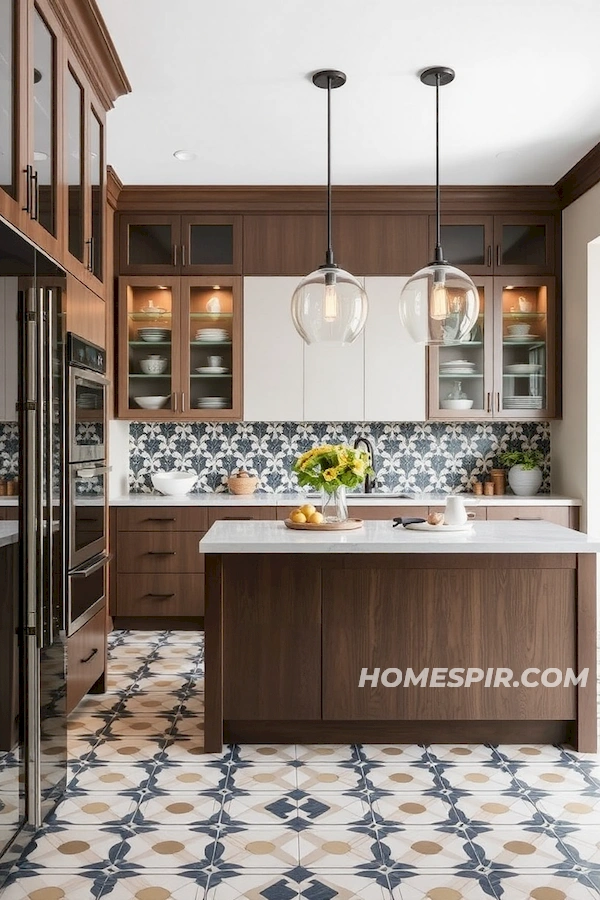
(467, 242)
(461, 374)
(524, 245)
(211, 340)
(525, 367)
(149, 353)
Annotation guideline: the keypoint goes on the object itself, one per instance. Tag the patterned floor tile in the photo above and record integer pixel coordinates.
(182, 809)
(97, 810)
(257, 886)
(185, 637)
(150, 704)
(447, 886)
(571, 809)
(167, 848)
(154, 885)
(140, 724)
(541, 886)
(191, 726)
(533, 753)
(420, 809)
(266, 754)
(321, 808)
(400, 778)
(191, 752)
(134, 749)
(338, 848)
(268, 779)
(74, 848)
(259, 847)
(553, 778)
(52, 886)
(583, 844)
(476, 778)
(259, 809)
(329, 778)
(188, 778)
(110, 778)
(344, 886)
(315, 754)
(470, 754)
(163, 683)
(393, 753)
(428, 848)
(496, 809)
(520, 848)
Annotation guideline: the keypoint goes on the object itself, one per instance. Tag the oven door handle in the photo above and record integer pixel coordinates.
(93, 567)
(91, 472)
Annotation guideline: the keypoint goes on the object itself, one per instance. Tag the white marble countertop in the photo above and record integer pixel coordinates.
(263, 498)
(381, 537)
(9, 533)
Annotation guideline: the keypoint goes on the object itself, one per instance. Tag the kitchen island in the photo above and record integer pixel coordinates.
(325, 637)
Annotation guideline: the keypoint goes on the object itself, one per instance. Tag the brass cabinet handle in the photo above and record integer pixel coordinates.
(183, 401)
(174, 401)
(91, 656)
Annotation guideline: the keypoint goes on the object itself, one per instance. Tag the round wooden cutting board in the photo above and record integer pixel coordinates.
(348, 525)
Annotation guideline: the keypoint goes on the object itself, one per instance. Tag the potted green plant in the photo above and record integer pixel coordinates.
(524, 472)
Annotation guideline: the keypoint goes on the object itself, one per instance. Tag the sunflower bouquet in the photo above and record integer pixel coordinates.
(332, 466)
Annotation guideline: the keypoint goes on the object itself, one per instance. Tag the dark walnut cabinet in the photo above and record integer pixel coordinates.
(180, 245)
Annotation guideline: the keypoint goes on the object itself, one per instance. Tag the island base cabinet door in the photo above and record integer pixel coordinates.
(271, 639)
(386, 621)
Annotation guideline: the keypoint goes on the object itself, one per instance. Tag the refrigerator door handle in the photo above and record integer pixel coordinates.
(47, 634)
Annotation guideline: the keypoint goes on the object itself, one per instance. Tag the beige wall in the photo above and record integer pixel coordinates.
(575, 454)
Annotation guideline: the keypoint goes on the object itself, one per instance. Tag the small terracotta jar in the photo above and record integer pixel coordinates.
(478, 487)
(10, 488)
(488, 488)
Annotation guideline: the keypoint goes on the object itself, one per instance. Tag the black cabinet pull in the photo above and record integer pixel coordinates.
(528, 519)
(159, 519)
(92, 654)
(28, 173)
(237, 519)
(498, 254)
(35, 196)
(161, 552)
(160, 596)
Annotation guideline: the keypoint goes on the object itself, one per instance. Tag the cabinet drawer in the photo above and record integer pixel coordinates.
(173, 552)
(473, 512)
(86, 658)
(559, 515)
(161, 518)
(160, 595)
(240, 513)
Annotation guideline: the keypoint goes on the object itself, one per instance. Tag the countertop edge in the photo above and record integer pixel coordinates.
(281, 499)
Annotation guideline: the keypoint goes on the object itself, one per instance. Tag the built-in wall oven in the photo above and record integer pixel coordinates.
(87, 481)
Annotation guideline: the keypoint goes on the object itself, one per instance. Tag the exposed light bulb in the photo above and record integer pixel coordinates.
(440, 301)
(331, 308)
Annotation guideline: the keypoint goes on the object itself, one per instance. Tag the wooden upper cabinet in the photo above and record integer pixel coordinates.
(520, 244)
(180, 245)
(282, 244)
(13, 74)
(380, 244)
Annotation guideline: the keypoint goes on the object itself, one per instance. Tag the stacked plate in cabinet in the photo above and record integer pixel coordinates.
(522, 402)
(213, 403)
(212, 335)
(458, 367)
(154, 335)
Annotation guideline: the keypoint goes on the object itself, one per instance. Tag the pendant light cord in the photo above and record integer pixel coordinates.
(439, 256)
(329, 254)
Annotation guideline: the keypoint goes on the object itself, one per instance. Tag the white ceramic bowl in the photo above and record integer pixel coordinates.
(175, 484)
(519, 328)
(150, 402)
(153, 366)
(456, 404)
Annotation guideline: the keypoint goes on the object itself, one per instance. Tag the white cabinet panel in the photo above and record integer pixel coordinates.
(334, 382)
(9, 367)
(273, 352)
(395, 371)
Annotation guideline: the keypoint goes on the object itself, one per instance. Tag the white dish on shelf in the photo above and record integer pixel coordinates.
(456, 404)
(458, 372)
(174, 484)
(151, 402)
(153, 366)
(212, 370)
(520, 338)
(524, 369)
(153, 310)
(439, 529)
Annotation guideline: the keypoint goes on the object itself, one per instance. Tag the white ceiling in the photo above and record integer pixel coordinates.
(228, 80)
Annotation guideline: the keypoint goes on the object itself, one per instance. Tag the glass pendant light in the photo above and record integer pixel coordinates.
(330, 305)
(439, 304)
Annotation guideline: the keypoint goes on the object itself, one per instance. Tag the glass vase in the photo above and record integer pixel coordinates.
(333, 505)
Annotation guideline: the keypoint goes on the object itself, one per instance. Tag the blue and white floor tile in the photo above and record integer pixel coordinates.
(149, 816)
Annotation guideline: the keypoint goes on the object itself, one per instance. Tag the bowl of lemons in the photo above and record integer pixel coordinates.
(306, 515)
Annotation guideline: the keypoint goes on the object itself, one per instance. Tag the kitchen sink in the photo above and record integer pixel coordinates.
(380, 495)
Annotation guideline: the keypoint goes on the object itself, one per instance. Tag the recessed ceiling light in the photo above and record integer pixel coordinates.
(216, 287)
(39, 155)
(184, 155)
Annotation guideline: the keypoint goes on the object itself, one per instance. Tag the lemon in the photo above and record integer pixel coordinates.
(307, 510)
(316, 518)
(297, 517)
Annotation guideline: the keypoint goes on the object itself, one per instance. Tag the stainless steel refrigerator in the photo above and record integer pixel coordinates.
(33, 752)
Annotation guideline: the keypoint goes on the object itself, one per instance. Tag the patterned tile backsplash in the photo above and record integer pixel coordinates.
(9, 449)
(435, 456)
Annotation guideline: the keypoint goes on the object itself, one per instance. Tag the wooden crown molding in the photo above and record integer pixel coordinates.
(351, 199)
(580, 178)
(114, 186)
(86, 31)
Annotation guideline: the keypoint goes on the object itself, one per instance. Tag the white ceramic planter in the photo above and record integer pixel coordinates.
(525, 482)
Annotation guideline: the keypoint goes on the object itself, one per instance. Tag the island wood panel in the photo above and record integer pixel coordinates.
(271, 637)
(419, 618)
(147, 552)
(162, 518)
(160, 595)
(284, 244)
(585, 737)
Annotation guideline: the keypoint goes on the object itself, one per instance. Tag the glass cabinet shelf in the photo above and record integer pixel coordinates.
(149, 317)
(211, 315)
(150, 344)
(535, 342)
(460, 377)
(524, 315)
(143, 375)
(212, 376)
(210, 343)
